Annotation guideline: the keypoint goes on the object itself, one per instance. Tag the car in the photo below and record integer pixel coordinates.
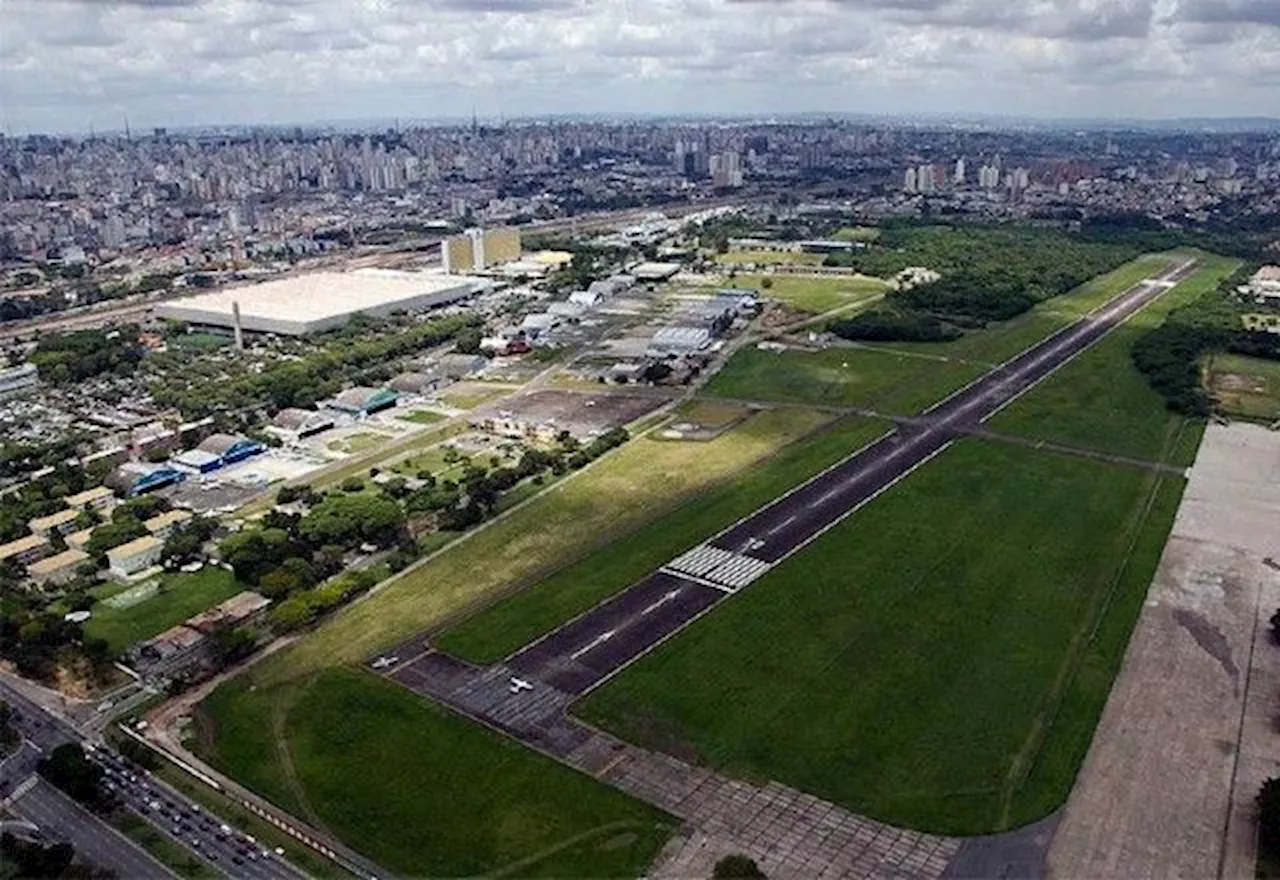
(225, 829)
(237, 860)
(279, 850)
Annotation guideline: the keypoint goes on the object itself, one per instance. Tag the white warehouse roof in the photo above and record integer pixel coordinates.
(320, 300)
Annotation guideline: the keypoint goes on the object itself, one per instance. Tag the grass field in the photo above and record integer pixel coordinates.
(421, 417)
(1245, 387)
(856, 233)
(499, 630)
(1100, 401)
(937, 661)
(815, 294)
(895, 383)
(180, 597)
(470, 398)
(635, 484)
(420, 791)
(768, 258)
(355, 443)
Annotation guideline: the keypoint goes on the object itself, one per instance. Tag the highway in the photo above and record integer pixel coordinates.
(578, 656)
(172, 813)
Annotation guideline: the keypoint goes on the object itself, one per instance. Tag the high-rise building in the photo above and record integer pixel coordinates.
(926, 181)
(960, 172)
(478, 249)
(909, 182)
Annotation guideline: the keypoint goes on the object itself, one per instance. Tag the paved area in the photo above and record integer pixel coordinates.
(1187, 736)
(789, 833)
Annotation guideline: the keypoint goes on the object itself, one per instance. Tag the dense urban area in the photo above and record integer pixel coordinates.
(479, 499)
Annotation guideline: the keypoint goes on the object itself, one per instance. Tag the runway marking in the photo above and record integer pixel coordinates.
(723, 568)
(782, 525)
(593, 644)
(654, 606)
(694, 579)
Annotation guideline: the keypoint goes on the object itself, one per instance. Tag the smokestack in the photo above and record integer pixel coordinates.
(235, 324)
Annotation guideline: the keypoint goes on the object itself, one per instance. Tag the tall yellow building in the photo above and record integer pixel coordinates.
(478, 249)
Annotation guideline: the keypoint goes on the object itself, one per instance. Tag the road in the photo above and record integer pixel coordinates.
(577, 657)
(173, 814)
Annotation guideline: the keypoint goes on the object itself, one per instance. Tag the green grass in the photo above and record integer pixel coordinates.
(180, 597)
(163, 849)
(937, 661)
(361, 442)
(1100, 401)
(472, 399)
(1245, 387)
(421, 417)
(815, 294)
(856, 233)
(891, 382)
(501, 629)
(426, 793)
(632, 485)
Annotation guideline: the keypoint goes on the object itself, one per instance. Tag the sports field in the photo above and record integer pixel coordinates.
(516, 621)
(1100, 401)
(420, 791)
(937, 661)
(637, 483)
(815, 294)
(895, 383)
(180, 596)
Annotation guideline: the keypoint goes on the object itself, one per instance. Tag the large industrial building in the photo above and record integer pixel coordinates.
(318, 301)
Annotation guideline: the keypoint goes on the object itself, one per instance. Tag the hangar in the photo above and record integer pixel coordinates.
(318, 301)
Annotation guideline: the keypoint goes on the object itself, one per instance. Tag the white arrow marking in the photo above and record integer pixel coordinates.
(596, 642)
(663, 601)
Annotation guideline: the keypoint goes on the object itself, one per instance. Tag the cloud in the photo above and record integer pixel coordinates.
(168, 62)
(1263, 12)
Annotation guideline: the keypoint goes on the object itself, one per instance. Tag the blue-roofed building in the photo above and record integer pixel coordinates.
(135, 478)
(230, 448)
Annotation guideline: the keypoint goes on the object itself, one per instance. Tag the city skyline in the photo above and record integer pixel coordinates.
(71, 66)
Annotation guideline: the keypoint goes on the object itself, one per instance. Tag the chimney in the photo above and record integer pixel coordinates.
(235, 325)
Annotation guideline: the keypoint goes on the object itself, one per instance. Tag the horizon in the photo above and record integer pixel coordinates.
(77, 65)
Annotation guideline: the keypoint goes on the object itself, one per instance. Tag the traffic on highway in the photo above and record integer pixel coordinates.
(176, 816)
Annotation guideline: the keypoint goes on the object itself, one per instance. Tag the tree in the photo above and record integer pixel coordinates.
(468, 341)
(69, 769)
(737, 867)
(767, 283)
(352, 484)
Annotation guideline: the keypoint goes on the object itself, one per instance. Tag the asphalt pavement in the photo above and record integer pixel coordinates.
(584, 652)
(170, 812)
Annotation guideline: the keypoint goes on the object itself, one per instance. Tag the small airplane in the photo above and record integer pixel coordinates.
(520, 684)
(384, 662)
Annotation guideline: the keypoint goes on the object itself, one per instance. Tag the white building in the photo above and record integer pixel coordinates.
(138, 555)
(320, 300)
(1265, 284)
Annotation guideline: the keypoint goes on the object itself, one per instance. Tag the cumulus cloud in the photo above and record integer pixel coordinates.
(65, 64)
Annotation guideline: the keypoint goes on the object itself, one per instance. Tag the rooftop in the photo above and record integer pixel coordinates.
(57, 562)
(145, 544)
(317, 297)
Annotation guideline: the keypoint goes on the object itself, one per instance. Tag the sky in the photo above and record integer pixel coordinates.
(72, 65)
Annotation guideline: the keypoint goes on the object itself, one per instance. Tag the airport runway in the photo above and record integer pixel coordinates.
(578, 656)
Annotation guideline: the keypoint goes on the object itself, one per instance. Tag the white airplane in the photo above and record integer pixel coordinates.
(519, 684)
(384, 662)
